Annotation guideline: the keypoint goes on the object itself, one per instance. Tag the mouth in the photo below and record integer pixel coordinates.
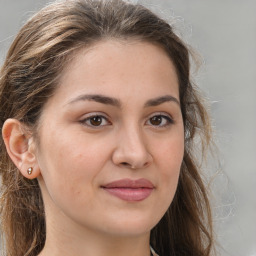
(130, 190)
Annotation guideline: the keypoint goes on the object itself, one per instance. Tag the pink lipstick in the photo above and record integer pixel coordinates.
(130, 190)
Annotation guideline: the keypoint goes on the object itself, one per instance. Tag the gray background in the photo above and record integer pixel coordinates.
(224, 32)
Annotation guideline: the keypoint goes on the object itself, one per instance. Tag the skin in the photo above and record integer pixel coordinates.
(74, 157)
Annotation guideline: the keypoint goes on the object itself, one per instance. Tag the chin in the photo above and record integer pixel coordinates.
(130, 226)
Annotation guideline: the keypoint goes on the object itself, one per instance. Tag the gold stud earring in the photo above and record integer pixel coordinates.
(30, 170)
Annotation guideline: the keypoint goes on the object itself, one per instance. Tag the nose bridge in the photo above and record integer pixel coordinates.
(131, 148)
(133, 137)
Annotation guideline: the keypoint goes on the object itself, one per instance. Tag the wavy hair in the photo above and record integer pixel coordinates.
(30, 75)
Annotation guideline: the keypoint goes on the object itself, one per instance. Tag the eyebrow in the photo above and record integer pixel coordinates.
(160, 100)
(116, 102)
(97, 98)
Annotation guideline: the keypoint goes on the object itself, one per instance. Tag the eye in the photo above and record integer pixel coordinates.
(160, 120)
(95, 121)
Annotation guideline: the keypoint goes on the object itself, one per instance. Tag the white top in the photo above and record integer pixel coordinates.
(153, 252)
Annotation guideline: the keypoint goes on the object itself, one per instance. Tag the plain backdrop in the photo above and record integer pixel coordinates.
(224, 32)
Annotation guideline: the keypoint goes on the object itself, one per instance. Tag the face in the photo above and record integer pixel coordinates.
(112, 140)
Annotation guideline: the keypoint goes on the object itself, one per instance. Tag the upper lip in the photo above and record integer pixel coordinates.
(129, 183)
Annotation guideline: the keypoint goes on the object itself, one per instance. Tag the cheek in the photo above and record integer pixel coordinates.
(69, 167)
(71, 160)
(73, 149)
(169, 159)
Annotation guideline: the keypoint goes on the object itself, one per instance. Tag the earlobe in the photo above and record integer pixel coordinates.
(20, 149)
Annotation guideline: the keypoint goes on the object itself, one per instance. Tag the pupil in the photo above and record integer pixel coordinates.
(96, 120)
(156, 120)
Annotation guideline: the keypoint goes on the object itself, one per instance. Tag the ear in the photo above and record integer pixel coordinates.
(20, 147)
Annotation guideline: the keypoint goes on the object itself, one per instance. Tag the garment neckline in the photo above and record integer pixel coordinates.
(152, 252)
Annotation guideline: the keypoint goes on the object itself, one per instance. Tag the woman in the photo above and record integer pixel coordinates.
(98, 117)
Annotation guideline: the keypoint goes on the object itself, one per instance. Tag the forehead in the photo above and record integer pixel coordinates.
(115, 67)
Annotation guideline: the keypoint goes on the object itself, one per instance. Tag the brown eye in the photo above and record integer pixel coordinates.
(160, 121)
(95, 121)
(156, 120)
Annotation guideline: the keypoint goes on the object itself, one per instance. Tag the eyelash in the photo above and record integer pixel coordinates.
(88, 120)
(169, 120)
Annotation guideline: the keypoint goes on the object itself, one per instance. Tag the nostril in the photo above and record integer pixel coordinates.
(125, 164)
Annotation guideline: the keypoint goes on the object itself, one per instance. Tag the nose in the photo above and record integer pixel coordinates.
(131, 150)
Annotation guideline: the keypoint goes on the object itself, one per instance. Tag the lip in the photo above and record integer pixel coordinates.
(130, 190)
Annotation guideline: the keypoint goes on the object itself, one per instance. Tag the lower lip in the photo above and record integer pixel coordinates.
(130, 194)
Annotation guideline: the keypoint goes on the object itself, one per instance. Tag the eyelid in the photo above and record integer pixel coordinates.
(87, 117)
(92, 114)
(165, 115)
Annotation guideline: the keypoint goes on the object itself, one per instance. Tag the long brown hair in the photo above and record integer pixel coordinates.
(29, 77)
